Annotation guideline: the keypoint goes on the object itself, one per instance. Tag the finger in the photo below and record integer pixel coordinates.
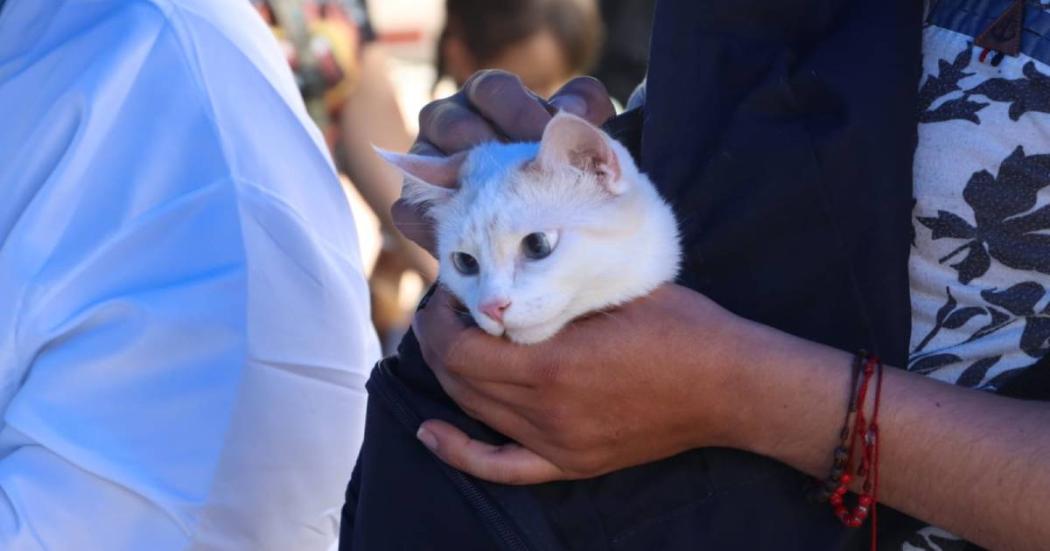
(437, 325)
(470, 352)
(452, 126)
(481, 356)
(502, 98)
(487, 400)
(585, 97)
(412, 221)
(476, 401)
(506, 464)
(467, 396)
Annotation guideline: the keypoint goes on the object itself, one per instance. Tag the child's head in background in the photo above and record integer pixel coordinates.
(545, 42)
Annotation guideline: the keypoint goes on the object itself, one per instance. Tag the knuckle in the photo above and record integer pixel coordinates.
(449, 125)
(493, 85)
(558, 422)
(587, 86)
(427, 113)
(466, 401)
(456, 122)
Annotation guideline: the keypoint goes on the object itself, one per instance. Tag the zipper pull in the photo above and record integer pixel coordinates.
(1004, 34)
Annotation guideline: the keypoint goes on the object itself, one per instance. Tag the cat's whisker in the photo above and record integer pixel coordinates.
(609, 315)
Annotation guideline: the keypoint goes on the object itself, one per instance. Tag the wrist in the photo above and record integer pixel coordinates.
(789, 396)
(720, 355)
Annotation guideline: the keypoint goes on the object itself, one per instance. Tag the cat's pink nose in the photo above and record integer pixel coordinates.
(495, 308)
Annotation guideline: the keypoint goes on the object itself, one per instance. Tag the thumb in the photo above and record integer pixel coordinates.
(506, 464)
(412, 221)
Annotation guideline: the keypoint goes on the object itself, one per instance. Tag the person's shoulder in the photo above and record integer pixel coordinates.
(274, 153)
(233, 67)
(216, 39)
(222, 38)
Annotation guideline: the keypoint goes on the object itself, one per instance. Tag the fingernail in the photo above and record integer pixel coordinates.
(570, 104)
(427, 438)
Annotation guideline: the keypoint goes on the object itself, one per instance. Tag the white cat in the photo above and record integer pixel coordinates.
(533, 235)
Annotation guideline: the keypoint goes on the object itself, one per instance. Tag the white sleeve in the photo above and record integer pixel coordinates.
(188, 342)
(198, 380)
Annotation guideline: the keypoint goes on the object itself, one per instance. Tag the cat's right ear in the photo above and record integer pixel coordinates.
(428, 179)
(570, 140)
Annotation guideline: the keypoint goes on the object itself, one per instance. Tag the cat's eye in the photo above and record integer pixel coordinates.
(465, 264)
(538, 245)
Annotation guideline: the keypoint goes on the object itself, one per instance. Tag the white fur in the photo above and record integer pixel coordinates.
(617, 240)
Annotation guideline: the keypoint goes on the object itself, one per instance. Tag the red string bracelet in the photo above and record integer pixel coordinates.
(865, 434)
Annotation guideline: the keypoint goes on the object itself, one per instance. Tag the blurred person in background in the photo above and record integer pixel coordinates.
(185, 304)
(344, 77)
(545, 42)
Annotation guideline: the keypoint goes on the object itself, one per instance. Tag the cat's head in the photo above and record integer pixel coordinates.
(533, 235)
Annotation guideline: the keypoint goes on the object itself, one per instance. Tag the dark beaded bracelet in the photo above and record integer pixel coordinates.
(840, 457)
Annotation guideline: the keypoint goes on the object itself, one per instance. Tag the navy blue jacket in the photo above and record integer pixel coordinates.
(783, 133)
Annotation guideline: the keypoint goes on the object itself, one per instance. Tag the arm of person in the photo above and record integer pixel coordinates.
(673, 371)
(184, 378)
(372, 118)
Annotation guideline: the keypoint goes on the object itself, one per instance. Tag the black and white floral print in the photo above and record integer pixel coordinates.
(980, 265)
(1006, 226)
(935, 539)
(1024, 94)
(980, 261)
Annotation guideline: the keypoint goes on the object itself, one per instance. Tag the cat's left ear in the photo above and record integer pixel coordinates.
(568, 139)
(428, 179)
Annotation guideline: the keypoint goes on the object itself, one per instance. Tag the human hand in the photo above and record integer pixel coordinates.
(617, 389)
(492, 106)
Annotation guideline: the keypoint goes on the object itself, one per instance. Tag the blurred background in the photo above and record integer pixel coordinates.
(366, 67)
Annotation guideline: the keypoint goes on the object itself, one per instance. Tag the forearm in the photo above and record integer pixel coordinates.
(973, 463)
(372, 117)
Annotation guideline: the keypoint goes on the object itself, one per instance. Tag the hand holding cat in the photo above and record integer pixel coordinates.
(641, 383)
(493, 105)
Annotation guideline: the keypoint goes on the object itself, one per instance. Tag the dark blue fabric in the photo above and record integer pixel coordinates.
(972, 17)
(783, 133)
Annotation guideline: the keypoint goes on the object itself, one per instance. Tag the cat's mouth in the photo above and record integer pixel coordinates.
(522, 333)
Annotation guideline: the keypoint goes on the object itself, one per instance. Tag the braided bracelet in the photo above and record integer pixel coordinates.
(860, 437)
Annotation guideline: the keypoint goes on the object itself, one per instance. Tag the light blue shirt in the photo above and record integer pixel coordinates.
(184, 331)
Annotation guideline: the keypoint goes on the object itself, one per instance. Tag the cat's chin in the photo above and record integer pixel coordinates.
(533, 334)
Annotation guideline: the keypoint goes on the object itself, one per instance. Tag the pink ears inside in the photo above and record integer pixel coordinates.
(570, 140)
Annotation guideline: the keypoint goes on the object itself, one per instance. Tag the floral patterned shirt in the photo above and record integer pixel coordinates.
(980, 262)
